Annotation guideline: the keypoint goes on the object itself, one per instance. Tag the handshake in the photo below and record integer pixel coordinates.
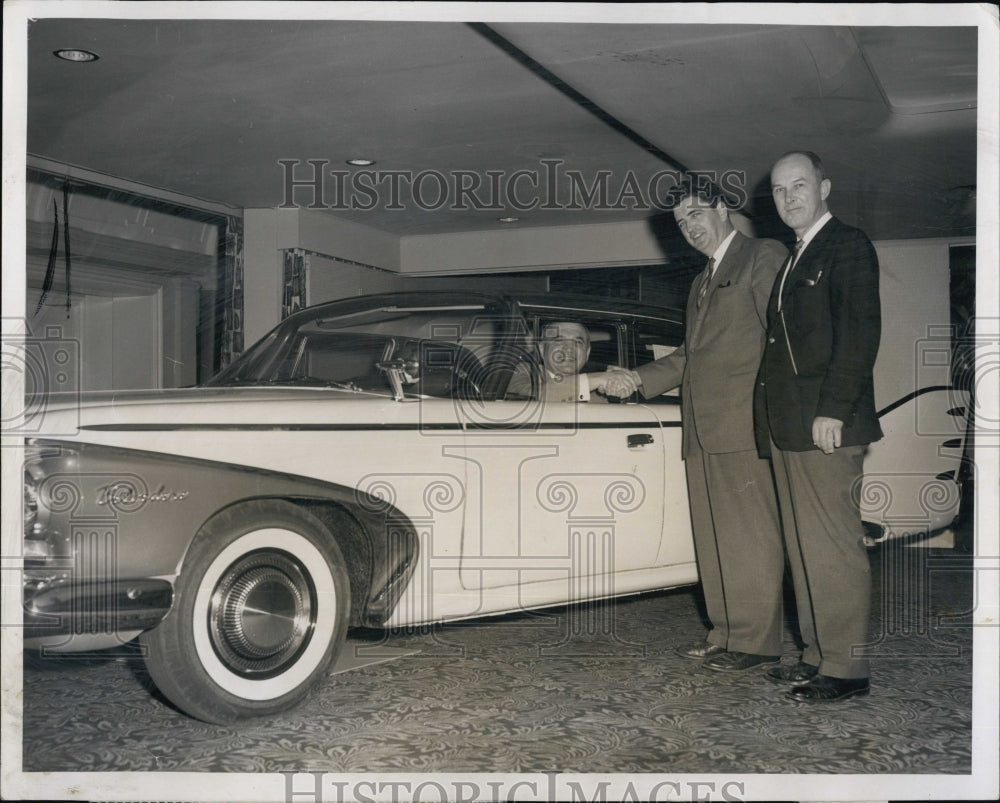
(615, 381)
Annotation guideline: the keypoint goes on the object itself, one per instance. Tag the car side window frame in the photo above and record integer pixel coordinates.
(672, 330)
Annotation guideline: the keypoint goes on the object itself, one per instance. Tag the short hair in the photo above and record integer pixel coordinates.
(560, 330)
(814, 160)
(689, 186)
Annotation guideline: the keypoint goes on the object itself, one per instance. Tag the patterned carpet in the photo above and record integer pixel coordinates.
(528, 693)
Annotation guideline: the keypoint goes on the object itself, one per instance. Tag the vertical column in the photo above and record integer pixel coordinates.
(266, 233)
(294, 280)
(232, 292)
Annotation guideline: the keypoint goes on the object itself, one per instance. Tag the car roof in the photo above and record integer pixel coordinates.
(619, 306)
(565, 302)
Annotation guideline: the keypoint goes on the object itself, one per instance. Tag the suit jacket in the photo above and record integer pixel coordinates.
(821, 346)
(717, 364)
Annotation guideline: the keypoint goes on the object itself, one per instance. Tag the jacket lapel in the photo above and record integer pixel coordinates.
(813, 253)
(803, 267)
(723, 274)
(727, 269)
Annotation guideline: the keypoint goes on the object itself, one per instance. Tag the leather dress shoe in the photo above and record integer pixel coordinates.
(797, 674)
(826, 689)
(738, 661)
(701, 650)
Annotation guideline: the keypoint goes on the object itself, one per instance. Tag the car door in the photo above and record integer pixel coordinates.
(565, 501)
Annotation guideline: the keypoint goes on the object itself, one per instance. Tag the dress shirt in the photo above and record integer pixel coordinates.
(720, 252)
(801, 244)
(814, 230)
(713, 265)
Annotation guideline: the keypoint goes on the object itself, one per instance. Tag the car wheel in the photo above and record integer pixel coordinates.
(260, 609)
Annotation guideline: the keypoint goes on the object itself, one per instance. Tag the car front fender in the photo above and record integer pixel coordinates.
(108, 514)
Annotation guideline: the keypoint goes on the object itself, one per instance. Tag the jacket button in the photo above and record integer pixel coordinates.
(770, 340)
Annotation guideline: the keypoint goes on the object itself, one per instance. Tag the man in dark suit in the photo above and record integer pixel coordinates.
(734, 513)
(815, 414)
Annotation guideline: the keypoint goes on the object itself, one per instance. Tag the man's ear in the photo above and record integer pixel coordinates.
(824, 188)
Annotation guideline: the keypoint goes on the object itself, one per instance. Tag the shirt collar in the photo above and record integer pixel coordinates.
(720, 252)
(814, 229)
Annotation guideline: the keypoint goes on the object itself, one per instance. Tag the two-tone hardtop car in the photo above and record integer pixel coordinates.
(362, 465)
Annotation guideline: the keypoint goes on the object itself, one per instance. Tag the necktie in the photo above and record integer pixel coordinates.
(792, 257)
(706, 280)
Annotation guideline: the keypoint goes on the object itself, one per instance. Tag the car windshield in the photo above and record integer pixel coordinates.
(434, 349)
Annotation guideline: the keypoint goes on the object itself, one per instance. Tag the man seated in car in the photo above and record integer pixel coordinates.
(565, 348)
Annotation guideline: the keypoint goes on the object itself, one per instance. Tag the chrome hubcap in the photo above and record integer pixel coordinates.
(262, 613)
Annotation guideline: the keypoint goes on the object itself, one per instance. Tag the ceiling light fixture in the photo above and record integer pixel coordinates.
(361, 162)
(73, 54)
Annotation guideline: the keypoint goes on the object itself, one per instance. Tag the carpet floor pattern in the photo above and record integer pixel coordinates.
(595, 688)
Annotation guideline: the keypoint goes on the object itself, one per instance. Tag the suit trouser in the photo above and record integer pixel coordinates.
(826, 554)
(737, 538)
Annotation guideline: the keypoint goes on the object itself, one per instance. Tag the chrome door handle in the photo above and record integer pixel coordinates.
(638, 441)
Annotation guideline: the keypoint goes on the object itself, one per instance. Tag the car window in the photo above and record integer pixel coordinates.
(338, 358)
(441, 350)
(606, 347)
(653, 340)
(471, 349)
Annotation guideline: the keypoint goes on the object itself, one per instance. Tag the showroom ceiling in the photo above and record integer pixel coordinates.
(211, 109)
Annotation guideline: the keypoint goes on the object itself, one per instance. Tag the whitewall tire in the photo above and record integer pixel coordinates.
(261, 608)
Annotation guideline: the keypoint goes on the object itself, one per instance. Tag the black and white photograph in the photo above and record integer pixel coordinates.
(478, 402)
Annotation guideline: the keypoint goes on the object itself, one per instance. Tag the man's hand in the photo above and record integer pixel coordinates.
(615, 381)
(826, 433)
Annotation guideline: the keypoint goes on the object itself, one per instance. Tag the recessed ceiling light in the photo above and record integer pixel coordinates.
(361, 162)
(72, 54)
(508, 219)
